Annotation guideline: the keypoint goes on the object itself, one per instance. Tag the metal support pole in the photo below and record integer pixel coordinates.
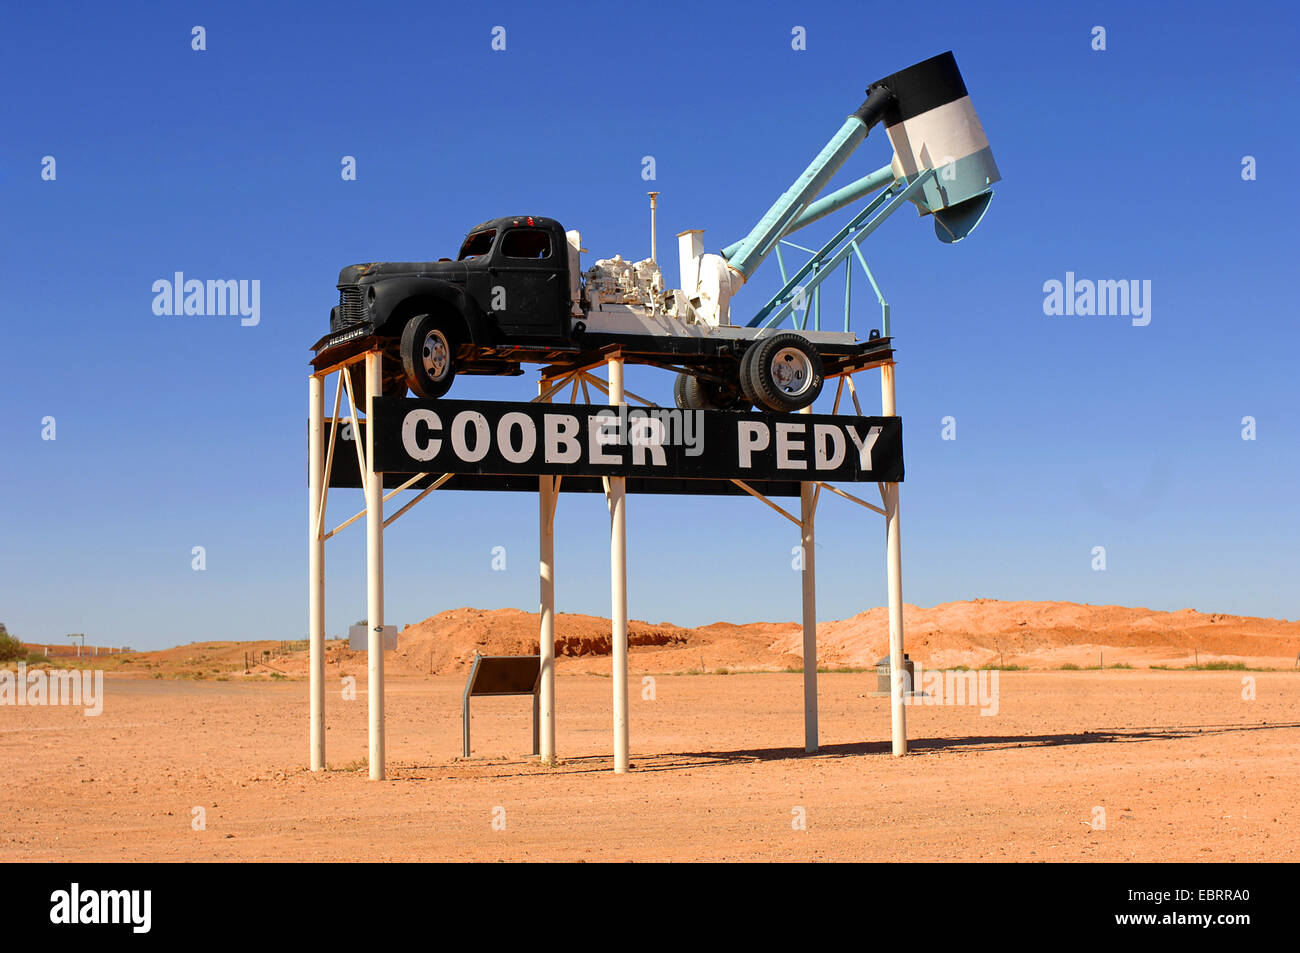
(654, 240)
(808, 574)
(546, 638)
(316, 566)
(806, 516)
(537, 740)
(618, 584)
(374, 574)
(893, 547)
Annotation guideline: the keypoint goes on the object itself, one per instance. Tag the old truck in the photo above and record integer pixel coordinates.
(516, 292)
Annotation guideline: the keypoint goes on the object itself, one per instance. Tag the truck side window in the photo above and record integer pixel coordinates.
(477, 244)
(534, 243)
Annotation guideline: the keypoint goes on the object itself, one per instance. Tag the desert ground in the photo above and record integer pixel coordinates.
(1106, 764)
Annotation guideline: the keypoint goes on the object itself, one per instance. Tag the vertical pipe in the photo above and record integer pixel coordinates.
(848, 292)
(893, 549)
(817, 302)
(654, 205)
(315, 566)
(546, 638)
(537, 740)
(807, 543)
(618, 583)
(464, 723)
(374, 574)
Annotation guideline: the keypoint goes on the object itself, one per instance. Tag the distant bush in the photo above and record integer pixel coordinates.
(11, 648)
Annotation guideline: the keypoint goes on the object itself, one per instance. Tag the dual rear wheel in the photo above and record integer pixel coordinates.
(782, 373)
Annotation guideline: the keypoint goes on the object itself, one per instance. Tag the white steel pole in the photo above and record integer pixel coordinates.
(546, 638)
(618, 584)
(316, 566)
(893, 548)
(374, 574)
(807, 543)
(654, 238)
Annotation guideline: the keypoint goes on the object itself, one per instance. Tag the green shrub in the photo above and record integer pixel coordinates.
(11, 648)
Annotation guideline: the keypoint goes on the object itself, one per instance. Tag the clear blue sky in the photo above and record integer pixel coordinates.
(1073, 432)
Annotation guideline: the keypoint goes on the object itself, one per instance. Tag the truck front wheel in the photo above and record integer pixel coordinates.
(428, 356)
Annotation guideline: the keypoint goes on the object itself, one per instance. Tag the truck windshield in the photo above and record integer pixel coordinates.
(477, 244)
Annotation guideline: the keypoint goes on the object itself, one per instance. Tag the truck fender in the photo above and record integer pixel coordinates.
(396, 299)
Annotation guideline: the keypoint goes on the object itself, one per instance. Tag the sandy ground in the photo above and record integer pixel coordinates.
(1183, 767)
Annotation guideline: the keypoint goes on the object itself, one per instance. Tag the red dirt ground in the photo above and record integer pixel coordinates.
(1184, 767)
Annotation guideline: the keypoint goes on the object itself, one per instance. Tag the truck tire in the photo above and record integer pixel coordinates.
(428, 352)
(694, 393)
(679, 391)
(709, 395)
(785, 372)
(746, 360)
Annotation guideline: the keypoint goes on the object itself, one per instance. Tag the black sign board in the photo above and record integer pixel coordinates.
(591, 440)
(504, 675)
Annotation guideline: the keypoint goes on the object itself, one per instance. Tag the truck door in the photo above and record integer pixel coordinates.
(529, 284)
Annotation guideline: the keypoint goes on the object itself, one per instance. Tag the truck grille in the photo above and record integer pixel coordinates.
(352, 306)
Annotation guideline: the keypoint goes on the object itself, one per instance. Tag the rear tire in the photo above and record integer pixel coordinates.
(679, 391)
(710, 395)
(428, 351)
(746, 360)
(784, 372)
(694, 393)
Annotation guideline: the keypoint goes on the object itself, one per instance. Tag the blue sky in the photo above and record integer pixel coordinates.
(1072, 432)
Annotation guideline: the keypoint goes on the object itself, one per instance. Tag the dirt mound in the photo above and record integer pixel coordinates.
(448, 641)
(1043, 634)
(979, 632)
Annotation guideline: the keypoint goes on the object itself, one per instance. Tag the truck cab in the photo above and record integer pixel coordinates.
(517, 271)
(506, 295)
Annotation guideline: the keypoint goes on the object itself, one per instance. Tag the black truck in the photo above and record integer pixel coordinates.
(514, 295)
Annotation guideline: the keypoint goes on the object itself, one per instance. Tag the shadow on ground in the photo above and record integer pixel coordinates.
(686, 760)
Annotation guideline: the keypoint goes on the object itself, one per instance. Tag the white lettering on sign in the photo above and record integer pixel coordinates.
(528, 437)
(411, 443)
(785, 444)
(648, 435)
(864, 446)
(522, 440)
(561, 435)
(598, 432)
(827, 458)
(482, 435)
(752, 437)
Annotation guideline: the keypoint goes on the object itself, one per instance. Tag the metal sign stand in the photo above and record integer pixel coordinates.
(320, 461)
(501, 675)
